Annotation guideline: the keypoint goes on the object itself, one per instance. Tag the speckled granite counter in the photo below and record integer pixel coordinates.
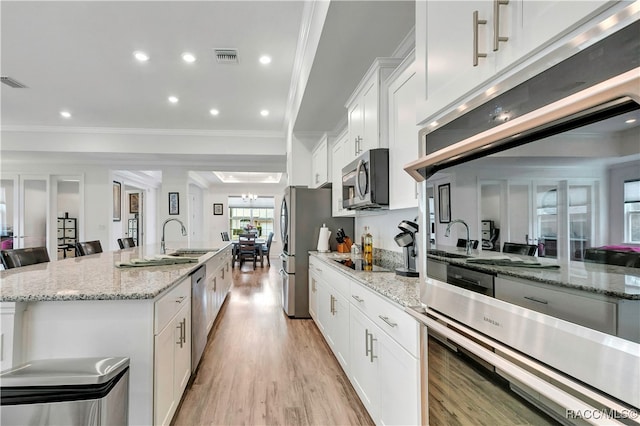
(96, 277)
(401, 290)
(614, 281)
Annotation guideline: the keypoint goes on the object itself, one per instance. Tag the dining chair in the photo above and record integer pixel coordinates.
(15, 258)
(516, 248)
(126, 242)
(88, 247)
(225, 236)
(247, 249)
(266, 248)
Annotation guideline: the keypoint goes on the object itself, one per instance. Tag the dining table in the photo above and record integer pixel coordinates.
(259, 243)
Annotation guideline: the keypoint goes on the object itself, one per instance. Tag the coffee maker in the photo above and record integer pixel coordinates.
(406, 239)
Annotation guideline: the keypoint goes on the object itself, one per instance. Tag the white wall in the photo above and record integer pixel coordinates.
(219, 194)
(68, 198)
(383, 226)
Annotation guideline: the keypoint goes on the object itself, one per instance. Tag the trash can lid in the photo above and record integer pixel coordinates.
(63, 371)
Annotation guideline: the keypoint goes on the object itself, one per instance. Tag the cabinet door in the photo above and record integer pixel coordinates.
(370, 119)
(364, 362)
(399, 374)
(163, 376)
(403, 140)
(339, 154)
(340, 329)
(182, 342)
(313, 297)
(356, 130)
(450, 72)
(324, 312)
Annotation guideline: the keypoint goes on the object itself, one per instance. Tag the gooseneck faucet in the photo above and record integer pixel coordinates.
(184, 232)
(448, 231)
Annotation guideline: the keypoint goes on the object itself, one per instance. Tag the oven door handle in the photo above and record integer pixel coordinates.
(469, 282)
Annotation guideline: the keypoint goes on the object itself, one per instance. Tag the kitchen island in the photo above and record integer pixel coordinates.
(87, 306)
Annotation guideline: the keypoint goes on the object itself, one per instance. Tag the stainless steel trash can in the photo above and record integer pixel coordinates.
(71, 391)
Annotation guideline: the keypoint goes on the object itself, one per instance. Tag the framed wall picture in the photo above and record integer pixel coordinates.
(444, 203)
(174, 203)
(117, 201)
(217, 209)
(134, 200)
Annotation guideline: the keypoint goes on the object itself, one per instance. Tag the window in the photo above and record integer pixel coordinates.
(255, 214)
(632, 211)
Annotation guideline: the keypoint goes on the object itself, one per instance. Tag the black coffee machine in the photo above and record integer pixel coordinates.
(406, 239)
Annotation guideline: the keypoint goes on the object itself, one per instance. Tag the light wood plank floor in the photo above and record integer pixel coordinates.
(262, 368)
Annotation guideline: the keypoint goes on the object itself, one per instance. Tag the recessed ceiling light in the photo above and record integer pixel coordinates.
(265, 59)
(141, 56)
(65, 114)
(631, 120)
(173, 99)
(188, 57)
(264, 112)
(214, 111)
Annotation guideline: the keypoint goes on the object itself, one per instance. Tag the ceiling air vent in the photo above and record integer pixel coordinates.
(227, 56)
(11, 82)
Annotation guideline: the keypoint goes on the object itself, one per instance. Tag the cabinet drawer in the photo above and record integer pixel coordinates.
(70, 233)
(69, 223)
(60, 223)
(169, 304)
(331, 276)
(390, 318)
(60, 233)
(593, 313)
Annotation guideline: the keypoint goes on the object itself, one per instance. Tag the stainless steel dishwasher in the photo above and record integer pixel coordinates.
(198, 315)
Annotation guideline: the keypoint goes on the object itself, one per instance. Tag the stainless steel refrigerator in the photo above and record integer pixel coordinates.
(302, 213)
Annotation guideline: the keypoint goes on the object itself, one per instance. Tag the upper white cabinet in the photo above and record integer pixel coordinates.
(403, 134)
(462, 45)
(338, 154)
(367, 110)
(320, 164)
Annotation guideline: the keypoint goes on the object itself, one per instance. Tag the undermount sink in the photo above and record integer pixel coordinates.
(443, 253)
(190, 253)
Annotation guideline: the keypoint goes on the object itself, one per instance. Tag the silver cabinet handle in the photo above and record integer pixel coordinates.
(313, 285)
(359, 147)
(476, 23)
(180, 299)
(357, 298)
(184, 328)
(370, 349)
(366, 342)
(533, 299)
(388, 321)
(215, 283)
(497, 38)
(222, 274)
(333, 312)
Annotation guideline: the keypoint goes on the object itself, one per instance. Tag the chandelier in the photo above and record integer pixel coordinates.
(249, 197)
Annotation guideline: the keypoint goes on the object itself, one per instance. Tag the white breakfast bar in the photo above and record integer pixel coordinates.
(87, 307)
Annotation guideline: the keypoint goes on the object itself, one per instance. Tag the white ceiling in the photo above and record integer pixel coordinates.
(78, 56)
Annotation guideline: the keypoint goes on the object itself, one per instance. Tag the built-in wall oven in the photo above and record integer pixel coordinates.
(548, 160)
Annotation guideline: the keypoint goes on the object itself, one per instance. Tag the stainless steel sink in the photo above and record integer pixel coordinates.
(443, 253)
(190, 253)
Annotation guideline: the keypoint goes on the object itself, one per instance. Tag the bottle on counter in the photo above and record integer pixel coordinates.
(367, 249)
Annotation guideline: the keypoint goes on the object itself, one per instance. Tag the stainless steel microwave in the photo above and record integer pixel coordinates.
(365, 181)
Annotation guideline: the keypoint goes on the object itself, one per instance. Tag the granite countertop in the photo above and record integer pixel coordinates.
(614, 281)
(95, 277)
(401, 290)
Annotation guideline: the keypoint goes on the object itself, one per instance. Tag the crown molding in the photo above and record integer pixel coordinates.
(152, 132)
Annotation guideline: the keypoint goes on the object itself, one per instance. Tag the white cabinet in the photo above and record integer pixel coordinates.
(595, 313)
(320, 164)
(172, 351)
(403, 135)
(367, 110)
(375, 341)
(385, 367)
(313, 295)
(462, 45)
(218, 283)
(338, 161)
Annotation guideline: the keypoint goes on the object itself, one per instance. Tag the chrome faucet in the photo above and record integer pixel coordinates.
(184, 232)
(448, 231)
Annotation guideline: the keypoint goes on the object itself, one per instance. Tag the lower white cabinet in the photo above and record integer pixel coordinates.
(172, 352)
(313, 296)
(375, 342)
(218, 283)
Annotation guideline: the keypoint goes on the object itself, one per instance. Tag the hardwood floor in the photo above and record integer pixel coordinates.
(262, 368)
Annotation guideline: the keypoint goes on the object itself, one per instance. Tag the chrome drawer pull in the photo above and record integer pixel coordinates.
(533, 299)
(180, 299)
(357, 298)
(386, 319)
